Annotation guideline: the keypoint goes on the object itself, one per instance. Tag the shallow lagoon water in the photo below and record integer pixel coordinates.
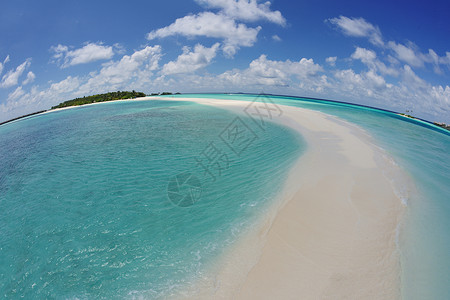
(84, 205)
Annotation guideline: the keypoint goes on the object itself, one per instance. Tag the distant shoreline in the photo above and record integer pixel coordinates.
(21, 117)
(73, 106)
(442, 127)
(95, 103)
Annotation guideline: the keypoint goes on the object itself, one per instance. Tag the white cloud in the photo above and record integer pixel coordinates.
(369, 58)
(246, 10)
(266, 72)
(131, 72)
(30, 78)
(406, 54)
(364, 86)
(331, 60)
(88, 53)
(423, 97)
(2, 65)
(276, 38)
(365, 55)
(302, 68)
(190, 61)
(65, 86)
(434, 59)
(358, 27)
(11, 78)
(18, 92)
(441, 97)
(410, 93)
(445, 60)
(411, 55)
(59, 50)
(410, 78)
(301, 77)
(131, 69)
(21, 102)
(211, 25)
(223, 24)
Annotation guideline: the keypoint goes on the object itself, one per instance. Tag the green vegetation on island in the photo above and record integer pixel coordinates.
(443, 125)
(406, 115)
(119, 95)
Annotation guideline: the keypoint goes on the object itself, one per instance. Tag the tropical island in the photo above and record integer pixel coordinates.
(119, 95)
(443, 125)
(440, 124)
(111, 96)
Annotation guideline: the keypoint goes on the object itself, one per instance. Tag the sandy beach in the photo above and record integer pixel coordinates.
(332, 234)
(96, 103)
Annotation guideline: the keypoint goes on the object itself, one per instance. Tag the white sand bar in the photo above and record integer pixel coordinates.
(333, 232)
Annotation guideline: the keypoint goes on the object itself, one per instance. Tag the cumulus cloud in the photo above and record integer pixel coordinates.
(361, 84)
(11, 78)
(64, 86)
(411, 55)
(305, 77)
(246, 10)
(365, 55)
(441, 98)
(263, 71)
(130, 72)
(21, 102)
(410, 78)
(30, 78)
(191, 61)
(410, 92)
(331, 60)
(445, 60)
(358, 27)
(276, 38)
(211, 25)
(406, 54)
(369, 58)
(224, 24)
(17, 93)
(119, 74)
(434, 59)
(2, 65)
(89, 53)
(299, 77)
(423, 97)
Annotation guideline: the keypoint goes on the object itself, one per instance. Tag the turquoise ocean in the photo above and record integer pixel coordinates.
(89, 202)
(138, 199)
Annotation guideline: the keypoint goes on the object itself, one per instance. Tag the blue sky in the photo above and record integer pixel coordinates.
(388, 54)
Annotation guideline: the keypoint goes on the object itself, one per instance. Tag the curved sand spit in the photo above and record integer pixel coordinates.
(332, 234)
